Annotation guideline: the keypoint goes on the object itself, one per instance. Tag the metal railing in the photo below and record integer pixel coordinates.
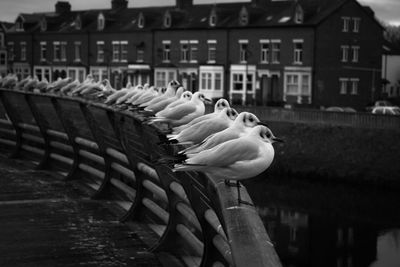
(356, 119)
(194, 221)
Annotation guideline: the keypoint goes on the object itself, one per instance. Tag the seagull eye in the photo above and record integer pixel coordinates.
(251, 119)
(269, 135)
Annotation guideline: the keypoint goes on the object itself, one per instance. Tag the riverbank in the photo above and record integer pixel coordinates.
(332, 152)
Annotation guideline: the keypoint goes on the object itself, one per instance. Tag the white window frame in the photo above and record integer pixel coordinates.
(300, 92)
(141, 20)
(139, 54)
(116, 46)
(354, 86)
(23, 51)
(11, 50)
(345, 53)
(194, 49)
(100, 73)
(63, 51)
(356, 53)
(275, 51)
(166, 55)
(211, 77)
(168, 75)
(43, 51)
(298, 52)
(56, 51)
(100, 51)
(265, 51)
(356, 24)
(77, 51)
(42, 72)
(100, 22)
(184, 50)
(343, 86)
(124, 51)
(212, 51)
(243, 47)
(345, 24)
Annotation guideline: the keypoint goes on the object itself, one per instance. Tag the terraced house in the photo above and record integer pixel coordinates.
(305, 52)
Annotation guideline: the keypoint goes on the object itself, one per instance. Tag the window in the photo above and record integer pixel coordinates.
(212, 51)
(23, 51)
(237, 82)
(140, 54)
(11, 54)
(167, 20)
(141, 21)
(43, 51)
(163, 76)
(243, 17)
(298, 52)
(63, 51)
(1, 39)
(276, 51)
(265, 53)
(166, 56)
(124, 51)
(56, 51)
(184, 51)
(43, 25)
(100, 51)
(345, 25)
(299, 15)
(356, 24)
(78, 23)
(100, 22)
(343, 85)
(77, 51)
(354, 86)
(355, 50)
(160, 79)
(211, 81)
(206, 80)
(243, 45)
(345, 53)
(213, 19)
(115, 47)
(19, 26)
(193, 50)
(298, 84)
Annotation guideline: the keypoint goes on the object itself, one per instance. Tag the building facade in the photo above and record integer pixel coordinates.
(264, 52)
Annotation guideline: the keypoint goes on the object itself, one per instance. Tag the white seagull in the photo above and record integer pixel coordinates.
(158, 106)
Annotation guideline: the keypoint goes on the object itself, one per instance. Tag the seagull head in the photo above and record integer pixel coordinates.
(200, 96)
(179, 91)
(266, 134)
(231, 113)
(247, 119)
(187, 95)
(221, 104)
(174, 84)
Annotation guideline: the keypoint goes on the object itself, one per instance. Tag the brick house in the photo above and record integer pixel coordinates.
(305, 52)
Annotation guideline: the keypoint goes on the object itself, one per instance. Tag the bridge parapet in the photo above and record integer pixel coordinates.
(195, 221)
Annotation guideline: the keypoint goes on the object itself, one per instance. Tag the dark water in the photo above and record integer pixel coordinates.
(314, 224)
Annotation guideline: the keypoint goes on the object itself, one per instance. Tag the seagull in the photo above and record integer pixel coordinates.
(218, 107)
(69, 87)
(201, 130)
(236, 159)
(242, 125)
(58, 84)
(185, 97)
(148, 95)
(89, 80)
(42, 85)
(129, 94)
(158, 106)
(170, 92)
(20, 85)
(30, 84)
(183, 113)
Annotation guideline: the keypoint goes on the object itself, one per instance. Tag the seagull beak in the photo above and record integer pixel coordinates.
(262, 123)
(279, 140)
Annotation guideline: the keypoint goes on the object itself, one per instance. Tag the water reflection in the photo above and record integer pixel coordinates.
(314, 225)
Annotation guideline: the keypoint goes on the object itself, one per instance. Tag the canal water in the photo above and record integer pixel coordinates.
(328, 224)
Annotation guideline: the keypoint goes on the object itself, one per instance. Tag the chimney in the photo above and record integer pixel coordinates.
(63, 7)
(182, 4)
(119, 4)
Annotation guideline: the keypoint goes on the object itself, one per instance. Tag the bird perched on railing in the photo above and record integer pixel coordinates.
(169, 92)
(237, 159)
(41, 86)
(163, 103)
(69, 87)
(20, 84)
(88, 80)
(242, 125)
(218, 107)
(55, 86)
(182, 113)
(112, 99)
(30, 84)
(197, 132)
(9, 81)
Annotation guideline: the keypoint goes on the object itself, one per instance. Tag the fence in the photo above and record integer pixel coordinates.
(194, 220)
(357, 119)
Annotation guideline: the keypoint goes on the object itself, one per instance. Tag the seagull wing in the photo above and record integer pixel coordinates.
(180, 111)
(227, 153)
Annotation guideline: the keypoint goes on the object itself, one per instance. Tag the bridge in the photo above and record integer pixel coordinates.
(178, 219)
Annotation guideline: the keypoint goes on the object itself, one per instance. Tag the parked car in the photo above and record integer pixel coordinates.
(340, 109)
(379, 103)
(393, 110)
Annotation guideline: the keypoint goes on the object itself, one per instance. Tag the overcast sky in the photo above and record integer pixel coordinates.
(386, 10)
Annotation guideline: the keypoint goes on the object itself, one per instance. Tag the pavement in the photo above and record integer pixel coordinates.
(45, 221)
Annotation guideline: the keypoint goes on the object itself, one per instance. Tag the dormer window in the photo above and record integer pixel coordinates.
(299, 15)
(43, 25)
(19, 25)
(167, 20)
(213, 18)
(100, 22)
(141, 21)
(243, 17)
(78, 23)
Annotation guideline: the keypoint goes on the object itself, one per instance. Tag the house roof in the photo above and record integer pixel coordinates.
(269, 14)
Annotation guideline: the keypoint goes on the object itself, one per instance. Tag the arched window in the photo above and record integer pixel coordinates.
(141, 20)
(167, 19)
(78, 23)
(299, 15)
(43, 24)
(19, 24)
(213, 17)
(100, 22)
(243, 17)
